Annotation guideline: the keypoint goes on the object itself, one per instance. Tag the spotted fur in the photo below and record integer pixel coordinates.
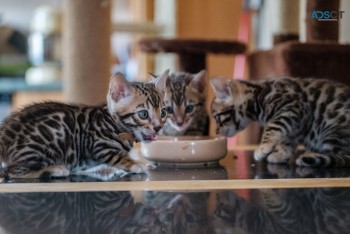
(311, 112)
(185, 97)
(56, 139)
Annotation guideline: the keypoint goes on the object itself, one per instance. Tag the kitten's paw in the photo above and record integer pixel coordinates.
(312, 159)
(56, 171)
(280, 154)
(263, 151)
(152, 165)
(139, 167)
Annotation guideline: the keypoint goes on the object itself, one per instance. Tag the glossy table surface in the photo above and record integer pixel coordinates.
(238, 195)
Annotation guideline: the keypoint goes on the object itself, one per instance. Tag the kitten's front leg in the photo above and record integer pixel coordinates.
(275, 152)
(273, 147)
(130, 165)
(121, 160)
(270, 139)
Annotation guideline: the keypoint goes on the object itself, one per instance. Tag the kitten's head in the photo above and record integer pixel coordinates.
(138, 106)
(184, 98)
(229, 106)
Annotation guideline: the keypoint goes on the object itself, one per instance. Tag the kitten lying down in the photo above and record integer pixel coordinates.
(311, 112)
(55, 140)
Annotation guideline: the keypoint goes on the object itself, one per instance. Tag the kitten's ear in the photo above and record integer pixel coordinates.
(119, 89)
(160, 81)
(222, 88)
(151, 77)
(199, 82)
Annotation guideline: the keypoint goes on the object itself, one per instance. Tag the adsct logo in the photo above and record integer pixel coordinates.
(327, 15)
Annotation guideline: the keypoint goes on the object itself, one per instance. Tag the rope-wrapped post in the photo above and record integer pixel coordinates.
(86, 50)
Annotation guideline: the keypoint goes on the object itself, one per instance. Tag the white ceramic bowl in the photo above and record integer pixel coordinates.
(185, 149)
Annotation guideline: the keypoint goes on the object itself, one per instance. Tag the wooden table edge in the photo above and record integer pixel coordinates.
(188, 185)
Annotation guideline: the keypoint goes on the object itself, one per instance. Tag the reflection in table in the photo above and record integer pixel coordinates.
(297, 210)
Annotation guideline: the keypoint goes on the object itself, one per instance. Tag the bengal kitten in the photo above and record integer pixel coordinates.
(312, 112)
(54, 139)
(185, 97)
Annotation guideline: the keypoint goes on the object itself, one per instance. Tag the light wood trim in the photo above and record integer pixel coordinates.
(175, 185)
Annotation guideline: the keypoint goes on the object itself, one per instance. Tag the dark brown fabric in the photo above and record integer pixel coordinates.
(319, 60)
(195, 46)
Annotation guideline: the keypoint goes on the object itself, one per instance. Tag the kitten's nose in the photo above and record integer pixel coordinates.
(180, 123)
(157, 128)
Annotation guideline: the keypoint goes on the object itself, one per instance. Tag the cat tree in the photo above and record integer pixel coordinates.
(321, 56)
(192, 52)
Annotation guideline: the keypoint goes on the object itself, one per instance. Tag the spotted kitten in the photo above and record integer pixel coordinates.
(54, 139)
(185, 96)
(312, 112)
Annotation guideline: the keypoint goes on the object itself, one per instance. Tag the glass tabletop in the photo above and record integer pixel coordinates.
(296, 210)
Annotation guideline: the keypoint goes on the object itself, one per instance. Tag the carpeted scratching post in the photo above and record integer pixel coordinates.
(86, 50)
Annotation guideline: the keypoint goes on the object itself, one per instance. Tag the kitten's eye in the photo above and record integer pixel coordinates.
(189, 108)
(163, 113)
(169, 109)
(143, 114)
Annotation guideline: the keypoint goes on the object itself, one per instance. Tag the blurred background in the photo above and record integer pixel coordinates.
(66, 50)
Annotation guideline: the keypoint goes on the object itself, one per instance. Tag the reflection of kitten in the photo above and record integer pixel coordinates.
(82, 212)
(185, 96)
(314, 211)
(56, 140)
(167, 212)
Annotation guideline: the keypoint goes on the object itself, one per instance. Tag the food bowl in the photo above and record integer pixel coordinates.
(185, 150)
